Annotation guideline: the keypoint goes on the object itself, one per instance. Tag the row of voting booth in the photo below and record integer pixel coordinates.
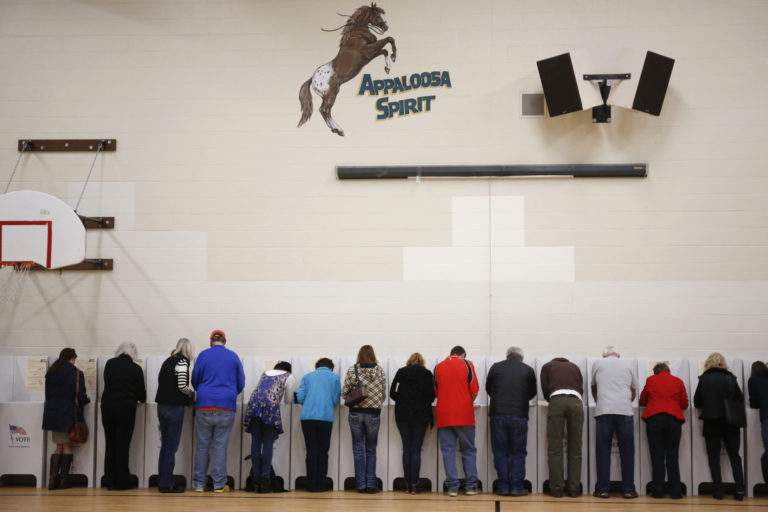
(23, 456)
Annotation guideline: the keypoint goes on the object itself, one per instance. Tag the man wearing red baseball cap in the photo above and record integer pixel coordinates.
(218, 378)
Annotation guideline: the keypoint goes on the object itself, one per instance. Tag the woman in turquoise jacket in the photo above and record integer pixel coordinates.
(318, 394)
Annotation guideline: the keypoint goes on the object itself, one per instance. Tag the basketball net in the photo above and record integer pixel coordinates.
(13, 275)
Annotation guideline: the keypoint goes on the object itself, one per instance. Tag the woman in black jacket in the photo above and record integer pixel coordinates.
(716, 385)
(123, 388)
(758, 399)
(413, 392)
(60, 412)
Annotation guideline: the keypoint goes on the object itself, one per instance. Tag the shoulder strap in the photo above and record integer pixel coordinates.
(469, 372)
(77, 391)
(357, 376)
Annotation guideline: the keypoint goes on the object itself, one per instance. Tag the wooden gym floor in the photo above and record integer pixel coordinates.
(26, 499)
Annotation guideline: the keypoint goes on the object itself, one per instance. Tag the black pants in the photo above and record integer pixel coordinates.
(412, 437)
(118, 421)
(716, 432)
(664, 431)
(317, 438)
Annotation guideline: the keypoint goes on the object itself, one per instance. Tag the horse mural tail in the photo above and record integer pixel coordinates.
(305, 98)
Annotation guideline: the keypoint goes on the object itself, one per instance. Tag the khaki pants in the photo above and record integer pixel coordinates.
(565, 414)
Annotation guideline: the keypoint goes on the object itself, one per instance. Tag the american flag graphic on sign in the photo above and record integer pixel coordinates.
(17, 430)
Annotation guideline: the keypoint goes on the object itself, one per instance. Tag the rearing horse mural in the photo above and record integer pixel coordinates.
(358, 47)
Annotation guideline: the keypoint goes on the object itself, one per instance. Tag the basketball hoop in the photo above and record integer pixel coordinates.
(13, 274)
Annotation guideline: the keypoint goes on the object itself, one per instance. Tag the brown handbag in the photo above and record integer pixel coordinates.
(79, 431)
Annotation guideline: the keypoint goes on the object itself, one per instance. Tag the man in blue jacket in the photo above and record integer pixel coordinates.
(218, 378)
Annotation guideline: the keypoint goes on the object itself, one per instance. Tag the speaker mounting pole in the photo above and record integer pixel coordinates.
(602, 113)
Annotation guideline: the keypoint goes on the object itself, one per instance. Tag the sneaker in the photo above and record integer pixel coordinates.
(556, 493)
(601, 494)
(630, 495)
(222, 489)
(471, 491)
(517, 494)
(199, 489)
(574, 494)
(453, 493)
(170, 490)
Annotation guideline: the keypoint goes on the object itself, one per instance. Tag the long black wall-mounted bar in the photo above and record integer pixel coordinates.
(383, 172)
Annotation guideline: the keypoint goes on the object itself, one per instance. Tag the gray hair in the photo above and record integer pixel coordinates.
(610, 350)
(185, 348)
(515, 351)
(129, 349)
(660, 367)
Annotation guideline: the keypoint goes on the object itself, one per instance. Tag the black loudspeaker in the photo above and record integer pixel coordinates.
(559, 82)
(652, 86)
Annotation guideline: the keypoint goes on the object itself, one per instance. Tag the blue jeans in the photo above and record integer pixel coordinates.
(171, 419)
(624, 427)
(365, 435)
(412, 437)
(213, 429)
(263, 438)
(509, 439)
(448, 436)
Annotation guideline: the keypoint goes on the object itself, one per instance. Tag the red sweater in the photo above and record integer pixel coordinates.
(664, 392)
(455, 389)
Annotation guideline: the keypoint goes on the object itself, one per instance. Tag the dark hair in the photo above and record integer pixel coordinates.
(324, 362)
(757, 367)
(366, 355)
(458, 350)
(660, 367)
(65, 355)
(283, 365)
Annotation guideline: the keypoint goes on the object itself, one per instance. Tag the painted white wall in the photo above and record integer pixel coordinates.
(230, 217)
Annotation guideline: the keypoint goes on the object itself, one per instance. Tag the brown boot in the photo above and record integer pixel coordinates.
(54, 466)
(66, 465)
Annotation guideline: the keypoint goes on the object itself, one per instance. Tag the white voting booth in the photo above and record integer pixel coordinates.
(531, 481)
(346, 457)
(82, 471)
(481, 435)
(182, 470)
(136, 453)
(615, 478)
(701, 475)
(301, 367)
(754, 440)
(542, 409)
(281, 455)
(679, 368)
(429, 449)
(22, 398)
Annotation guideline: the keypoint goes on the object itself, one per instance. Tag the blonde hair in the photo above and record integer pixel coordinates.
(415, 359)
(715, 360)
(184, 347)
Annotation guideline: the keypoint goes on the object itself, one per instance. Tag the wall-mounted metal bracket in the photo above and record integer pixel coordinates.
(87, 264)
(602, 113)
(98, 222)
(51, 145)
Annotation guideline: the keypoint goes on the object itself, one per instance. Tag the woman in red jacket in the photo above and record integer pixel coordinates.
(665, 398)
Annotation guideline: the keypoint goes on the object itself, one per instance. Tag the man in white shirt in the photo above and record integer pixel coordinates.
(614, 386)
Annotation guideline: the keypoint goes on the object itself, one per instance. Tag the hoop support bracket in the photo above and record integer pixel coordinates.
(98, 222)
(87, 264)
(59, 145)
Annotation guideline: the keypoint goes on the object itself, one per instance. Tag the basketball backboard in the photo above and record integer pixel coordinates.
(38, 227)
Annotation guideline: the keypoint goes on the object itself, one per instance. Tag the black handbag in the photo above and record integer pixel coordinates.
(357, 394)
(735, 414)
